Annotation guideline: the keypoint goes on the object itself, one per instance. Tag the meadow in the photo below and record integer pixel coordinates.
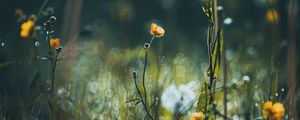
(149, 60)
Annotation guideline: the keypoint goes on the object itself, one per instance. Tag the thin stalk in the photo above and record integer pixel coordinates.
(53, 87)
(215, 28)
(292, 53)
(225, 66)
(144, 73)
(225, 79)
(151, 39)
(52, 75)
(141, 97)
(215, 16)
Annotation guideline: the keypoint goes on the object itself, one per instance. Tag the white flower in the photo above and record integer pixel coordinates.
(170, 97)
(178, 99)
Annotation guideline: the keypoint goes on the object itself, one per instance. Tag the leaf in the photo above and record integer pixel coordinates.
(208, 13)
(216, 54)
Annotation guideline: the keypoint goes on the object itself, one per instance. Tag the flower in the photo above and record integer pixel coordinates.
(27, 28)
(156, 30)
(197, 116)
(272, 16)
(178, 99)
(267, 109)
(54, 43)
(273, 111)
(278, 111)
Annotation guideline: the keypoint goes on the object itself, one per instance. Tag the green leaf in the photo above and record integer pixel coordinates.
(216, 54)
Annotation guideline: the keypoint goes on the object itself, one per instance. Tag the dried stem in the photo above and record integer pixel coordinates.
(225, 77)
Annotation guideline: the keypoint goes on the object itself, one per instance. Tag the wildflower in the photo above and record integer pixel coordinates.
(178, 100)
(272, 16)
(54, 43)
(156, 30)
(197, 116)
(273, 111)
(278, 111)
(267, 109)
(27, 28)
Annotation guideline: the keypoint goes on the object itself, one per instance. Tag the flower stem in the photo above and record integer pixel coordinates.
(144, 74)
(141, 97)
(151, 39)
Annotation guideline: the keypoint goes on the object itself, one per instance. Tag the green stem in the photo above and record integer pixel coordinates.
(141, 97)
(144, 74)
(151, 39)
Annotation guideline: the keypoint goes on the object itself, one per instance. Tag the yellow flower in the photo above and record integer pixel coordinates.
(272, 16)
(267, 109)
(54, 43)
(278, 111)
(197, 116)
(273, 111)
(156, 30)
(27, 28)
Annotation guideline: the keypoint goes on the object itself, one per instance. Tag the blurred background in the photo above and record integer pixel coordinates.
(103, 42)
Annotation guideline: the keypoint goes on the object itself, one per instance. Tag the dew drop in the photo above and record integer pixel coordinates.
(220, 8)
(2, 44)
(282, 89)
(37, 43)
(276, 94)
(228, 21)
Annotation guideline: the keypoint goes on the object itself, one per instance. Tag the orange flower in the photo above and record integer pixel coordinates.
(267, 109)
(54, 43)
(272, 16)
(273, 111)
(27, 28)
(197, 116)
(156, 30)
(278, 111)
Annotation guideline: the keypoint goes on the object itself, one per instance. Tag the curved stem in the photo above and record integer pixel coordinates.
(52, 85)
(144, 73)
(141, 97)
